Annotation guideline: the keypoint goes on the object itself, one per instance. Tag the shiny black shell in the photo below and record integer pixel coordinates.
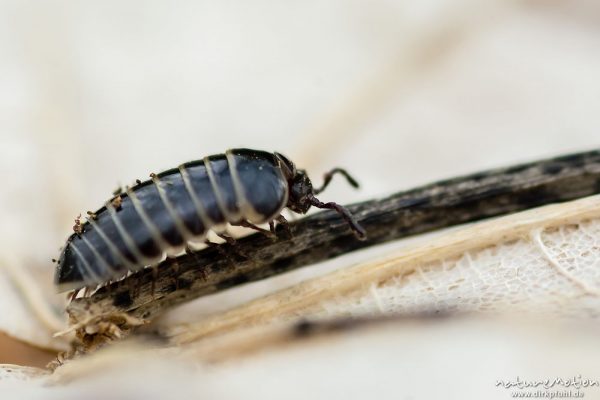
(162, 214)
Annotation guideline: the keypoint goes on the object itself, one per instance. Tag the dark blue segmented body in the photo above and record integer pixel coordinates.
(136, 228)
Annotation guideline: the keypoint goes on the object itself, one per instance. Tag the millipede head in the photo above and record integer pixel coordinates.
(300, 193)
(301, 196)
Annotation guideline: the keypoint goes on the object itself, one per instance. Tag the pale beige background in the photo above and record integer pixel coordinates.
(93, 95)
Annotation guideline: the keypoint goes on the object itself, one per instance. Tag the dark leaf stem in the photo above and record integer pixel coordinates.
(325, 235)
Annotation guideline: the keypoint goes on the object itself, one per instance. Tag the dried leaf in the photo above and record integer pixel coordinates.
(538, 261)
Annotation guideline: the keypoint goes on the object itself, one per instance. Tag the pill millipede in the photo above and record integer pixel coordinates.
(137, 227)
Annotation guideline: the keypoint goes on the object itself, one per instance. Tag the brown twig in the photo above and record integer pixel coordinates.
(325, 235)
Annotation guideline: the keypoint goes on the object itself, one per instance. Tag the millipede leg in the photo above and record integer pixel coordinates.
(220, 250)
(154, 277)
(227, 238)
(174, 265)
(191, 252)
(215, 245)
(286, 225)
(131, 286)
(234, 246)
(137, 287)
(73, 295)
(268, 233)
